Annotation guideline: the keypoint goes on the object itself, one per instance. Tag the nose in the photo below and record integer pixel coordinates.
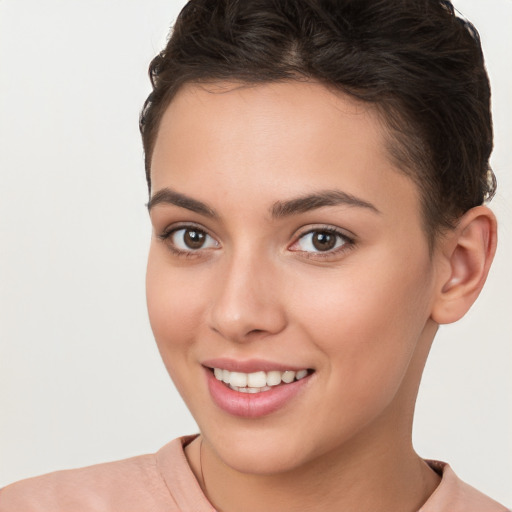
(248, 303)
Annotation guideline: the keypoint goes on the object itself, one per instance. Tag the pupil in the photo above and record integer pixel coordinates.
(194, 239)
(324, 241)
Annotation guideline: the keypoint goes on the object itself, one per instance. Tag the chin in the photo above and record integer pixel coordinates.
(258, 460)
(260, 451)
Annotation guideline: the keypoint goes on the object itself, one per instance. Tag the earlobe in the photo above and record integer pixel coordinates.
(468, 252)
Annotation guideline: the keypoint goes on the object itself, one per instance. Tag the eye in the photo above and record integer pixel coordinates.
(189, 239)
(321, 241)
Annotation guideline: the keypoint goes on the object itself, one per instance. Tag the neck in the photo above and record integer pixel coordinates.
(370, 477)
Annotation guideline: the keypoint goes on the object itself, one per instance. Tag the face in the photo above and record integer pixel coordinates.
(288, 258)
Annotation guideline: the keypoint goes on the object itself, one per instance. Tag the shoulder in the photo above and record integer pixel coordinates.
(454, 495)
(128, 485)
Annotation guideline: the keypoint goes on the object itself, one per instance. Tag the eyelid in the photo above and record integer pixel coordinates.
(167, 233)
(348, 238)
(308, 228)
(175, 226)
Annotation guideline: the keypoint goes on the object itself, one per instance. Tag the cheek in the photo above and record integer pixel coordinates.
(174, 302)
(367, 320)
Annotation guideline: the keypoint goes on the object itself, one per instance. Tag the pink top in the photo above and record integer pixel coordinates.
(164, 482)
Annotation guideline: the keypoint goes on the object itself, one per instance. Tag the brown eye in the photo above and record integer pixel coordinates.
(323, 240)
(194, 239)
(191, 239)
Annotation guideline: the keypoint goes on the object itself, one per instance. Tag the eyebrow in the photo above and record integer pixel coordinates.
(279, 209)
(168, 196)
(318, 200)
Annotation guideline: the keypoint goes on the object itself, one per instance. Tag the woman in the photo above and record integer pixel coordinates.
(316, 174)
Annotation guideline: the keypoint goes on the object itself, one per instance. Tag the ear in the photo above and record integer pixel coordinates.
(466, 254)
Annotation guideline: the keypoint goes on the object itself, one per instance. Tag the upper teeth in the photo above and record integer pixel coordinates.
(257, 379)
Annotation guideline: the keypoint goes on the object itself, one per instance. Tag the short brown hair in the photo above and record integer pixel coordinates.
(415, 60)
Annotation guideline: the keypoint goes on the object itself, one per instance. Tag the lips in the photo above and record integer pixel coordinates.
(261, 389)
(249, 366)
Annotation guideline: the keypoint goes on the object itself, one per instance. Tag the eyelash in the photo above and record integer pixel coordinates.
(169, 232)
(348, 242)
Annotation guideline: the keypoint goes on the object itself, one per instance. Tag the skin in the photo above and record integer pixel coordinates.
(363, 315)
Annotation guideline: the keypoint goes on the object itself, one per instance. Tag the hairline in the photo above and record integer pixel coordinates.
(394, 141)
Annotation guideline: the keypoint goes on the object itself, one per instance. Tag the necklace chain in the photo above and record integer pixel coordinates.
(201, 463)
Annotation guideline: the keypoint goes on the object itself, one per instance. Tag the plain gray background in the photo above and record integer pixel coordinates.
(81, 381)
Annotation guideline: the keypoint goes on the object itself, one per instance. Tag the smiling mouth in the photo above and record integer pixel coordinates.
(260, 381)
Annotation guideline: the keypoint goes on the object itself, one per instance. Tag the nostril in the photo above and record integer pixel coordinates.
(255, 331)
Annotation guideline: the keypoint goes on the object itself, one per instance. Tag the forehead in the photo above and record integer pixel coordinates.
(288, 138)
